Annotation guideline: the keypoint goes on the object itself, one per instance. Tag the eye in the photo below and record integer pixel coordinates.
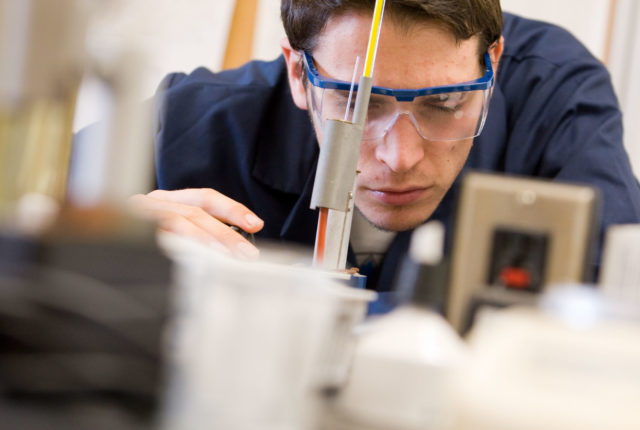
(446, 102)
(341, 98)
(377, 103)
(441, 107)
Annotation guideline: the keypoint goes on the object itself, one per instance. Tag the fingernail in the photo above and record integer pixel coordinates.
(253, 220)
(247, 250)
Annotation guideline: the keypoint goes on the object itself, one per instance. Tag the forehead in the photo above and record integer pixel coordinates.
(415, 56)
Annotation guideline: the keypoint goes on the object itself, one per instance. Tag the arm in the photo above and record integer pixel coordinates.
(236, 132)
(193, 208)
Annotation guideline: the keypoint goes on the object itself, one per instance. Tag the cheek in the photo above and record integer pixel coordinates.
(459, 151)
(370, 169)
(367, 155)
(447, 159)
(451, 152)
(455, 157)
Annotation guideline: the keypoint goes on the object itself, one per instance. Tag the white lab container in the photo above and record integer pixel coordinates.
(254, 344)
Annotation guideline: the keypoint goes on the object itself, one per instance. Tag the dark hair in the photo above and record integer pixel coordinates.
(304, 20)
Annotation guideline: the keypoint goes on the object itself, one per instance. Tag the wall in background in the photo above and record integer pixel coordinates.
(269, 32)
(624, 64)
(175, 36)
(170, 36)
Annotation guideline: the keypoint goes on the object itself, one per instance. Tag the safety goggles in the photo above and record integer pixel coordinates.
(442, 113)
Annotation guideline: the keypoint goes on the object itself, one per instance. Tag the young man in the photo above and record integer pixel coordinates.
(241, 146)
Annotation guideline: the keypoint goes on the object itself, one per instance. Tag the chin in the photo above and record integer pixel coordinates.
(396, 218)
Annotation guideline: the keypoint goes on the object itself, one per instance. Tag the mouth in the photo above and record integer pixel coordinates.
(398, 197)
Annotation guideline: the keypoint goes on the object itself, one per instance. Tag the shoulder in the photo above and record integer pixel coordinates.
(186, 98)
(232, 103)
(544, 68)
(206, 122)
(210, 127)
(539, 56)
(252, 75)
(558, 115)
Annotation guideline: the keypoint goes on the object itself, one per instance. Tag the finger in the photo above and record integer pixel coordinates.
(195, 223)
(215, 203)
(224, 238)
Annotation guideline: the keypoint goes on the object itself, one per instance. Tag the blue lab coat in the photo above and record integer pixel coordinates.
(553, 115)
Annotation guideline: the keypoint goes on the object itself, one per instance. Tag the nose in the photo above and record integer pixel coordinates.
(402, 148)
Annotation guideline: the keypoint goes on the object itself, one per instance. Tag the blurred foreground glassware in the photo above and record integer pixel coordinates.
(41, 63)
(256, 343)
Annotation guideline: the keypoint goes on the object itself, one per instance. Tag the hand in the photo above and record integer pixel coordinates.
(202, 214)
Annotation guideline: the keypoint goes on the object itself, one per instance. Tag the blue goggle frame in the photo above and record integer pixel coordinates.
(402, 95)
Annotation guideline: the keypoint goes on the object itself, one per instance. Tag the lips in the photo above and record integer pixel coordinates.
(398, 197)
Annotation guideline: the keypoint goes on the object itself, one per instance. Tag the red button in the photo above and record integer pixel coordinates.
(515, 277)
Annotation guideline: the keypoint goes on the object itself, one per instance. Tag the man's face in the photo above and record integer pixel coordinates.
(403, 177)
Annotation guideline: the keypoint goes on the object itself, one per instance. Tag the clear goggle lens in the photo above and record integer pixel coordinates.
(447, 116)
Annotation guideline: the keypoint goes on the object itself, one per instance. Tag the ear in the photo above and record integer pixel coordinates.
(294, 73)
(495, 52)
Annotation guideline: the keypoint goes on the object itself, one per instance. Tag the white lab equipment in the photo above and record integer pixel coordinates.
(404, 361)
(256, 343)
(573, 365)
